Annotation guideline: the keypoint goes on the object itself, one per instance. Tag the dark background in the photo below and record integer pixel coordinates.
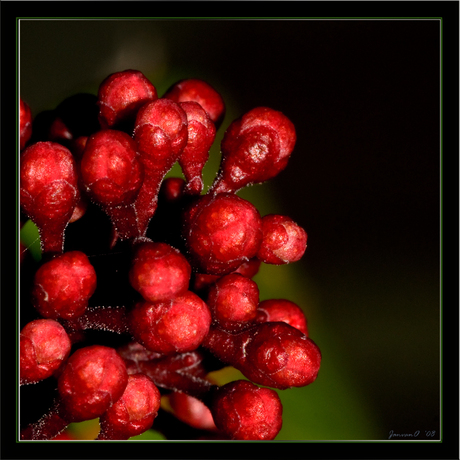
(364, 181)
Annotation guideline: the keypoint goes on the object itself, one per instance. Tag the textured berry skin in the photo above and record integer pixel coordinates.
(49, 190)
(93, 379)
(45, 346)
(121, 95)
(276, 310)
(243, 411)
(255, 148)
(174, 326)
(159, 272)
(221, 232)
(25, 123)
(161, 134)
(191, 411)
(233, 301)
(271, 354)
(134, 412)
(283, 240)
(203, 93)
(201, 135)
(63, 286)
(110, 168)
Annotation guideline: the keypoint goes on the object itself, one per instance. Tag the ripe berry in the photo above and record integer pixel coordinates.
(134, 412)
(201, 135)
(244, 411)
(49, 190)
(196, 90)
(173, 326)
(93, 379)
(233, 301)
(275, 310)
(25, 123)
(45, 346)
(283, 240)
(255, 148)
(63, 286)
(159, 271)
(221, 232)
(121, 95)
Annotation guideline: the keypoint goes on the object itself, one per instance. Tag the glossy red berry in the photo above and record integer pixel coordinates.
(255, 148)
(173, 326)
(93, 379)
(221, 232)
(201, 135)
(134, 412)
(49, 190)
(243, 411)
(283, 240)
(159, 271)
(233, 301)
(45, 346)
(121, 95)
(197, 90)
(63, 286)
(276, 310)
(25, 123)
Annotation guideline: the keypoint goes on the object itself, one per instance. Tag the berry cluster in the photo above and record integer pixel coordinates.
(173, 299)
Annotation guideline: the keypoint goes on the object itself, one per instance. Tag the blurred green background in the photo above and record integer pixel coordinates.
(363, 181)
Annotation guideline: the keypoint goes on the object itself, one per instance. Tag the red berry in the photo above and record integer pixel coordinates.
(272, 354)
(172, 189)
(159, 271)
(243, 411)
(93, 379)
(45, 346)
(121, 95)
(201, 135)
(276, 310)
(63, 286)
(196, 90)
(174, 326)
(255, 148)
(221, 232)
(134, 412)
(25, 123)
(233, 301)
(49, 190)
(161, 135)
(283, 240)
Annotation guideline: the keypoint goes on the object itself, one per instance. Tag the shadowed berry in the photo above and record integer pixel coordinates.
(221, 232)
(121, 95)
(243, 411)
(255, 148)
(25, 123)
(233, 301)
(159, 271)
(93, 379)
(172, 326)
(196, 90)
(283, 240)
(201, 135)
(271, 354)
(276, 310)
(49, 190)
(172, 189)
(63, 286)
(45, 346)
(134, 412)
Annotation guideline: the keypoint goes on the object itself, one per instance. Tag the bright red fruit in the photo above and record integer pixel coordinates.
(45, 346)
(221, 232)
(63, 286)
(276, 310)
(244, 411)
(49, 190)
